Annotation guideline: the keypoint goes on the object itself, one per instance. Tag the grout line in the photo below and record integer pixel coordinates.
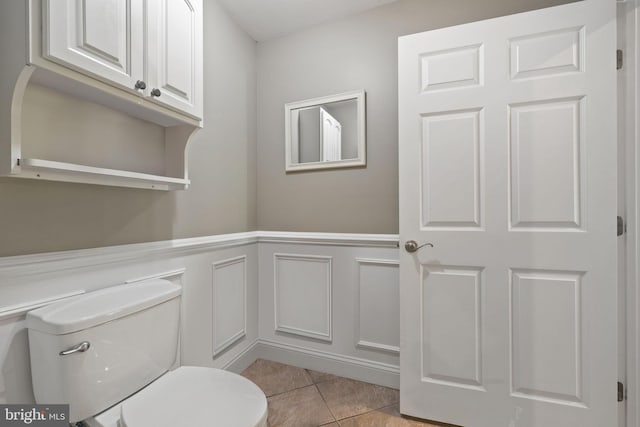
(288, 391)
(314, 381)
(365, 413)
(326, 404)
(329, 379)
(359, 415)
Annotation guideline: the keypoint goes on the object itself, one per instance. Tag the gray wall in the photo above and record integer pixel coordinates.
(39, 216)
(356, 53)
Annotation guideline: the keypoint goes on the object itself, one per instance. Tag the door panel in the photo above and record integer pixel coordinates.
(452, 68)
(103, 38)
(180, 30)
(547, 54)
(451, 326)
(175, 53)
(98, 18)
(507, 133)
(546, 171)
(330, 137)
(546, 342)
(451, 150)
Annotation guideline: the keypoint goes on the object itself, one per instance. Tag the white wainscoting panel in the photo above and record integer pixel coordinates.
(30, 281)
(15, 375)
(285, 255)
(229, 282)
(378, 305)
(236, 272)
(302, 295)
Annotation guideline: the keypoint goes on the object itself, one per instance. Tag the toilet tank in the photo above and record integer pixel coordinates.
(132, 336)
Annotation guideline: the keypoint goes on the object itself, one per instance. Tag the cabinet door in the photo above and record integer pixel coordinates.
(175, 54)
(104, 38)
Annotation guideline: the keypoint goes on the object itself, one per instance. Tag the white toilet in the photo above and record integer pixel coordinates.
(108, 354)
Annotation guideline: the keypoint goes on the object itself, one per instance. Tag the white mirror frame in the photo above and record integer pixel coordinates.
(361, 160)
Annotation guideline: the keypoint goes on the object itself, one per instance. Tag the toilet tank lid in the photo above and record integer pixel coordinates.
(104, 305)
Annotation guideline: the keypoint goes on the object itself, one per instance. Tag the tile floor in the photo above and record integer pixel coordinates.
(304, 398)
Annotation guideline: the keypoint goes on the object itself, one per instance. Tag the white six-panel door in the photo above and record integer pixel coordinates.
(508, 166)
(102, 37)
(330, 137)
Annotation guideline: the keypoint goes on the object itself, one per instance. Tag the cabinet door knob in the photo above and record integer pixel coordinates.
(140, 85)
(156, 92)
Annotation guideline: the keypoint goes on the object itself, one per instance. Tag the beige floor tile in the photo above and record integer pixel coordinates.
(303, 407)
(347, 398)
(386, 417)
(318, 377)
(275, 378)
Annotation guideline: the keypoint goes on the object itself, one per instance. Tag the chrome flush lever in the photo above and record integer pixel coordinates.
(80, 348)
(412, 246)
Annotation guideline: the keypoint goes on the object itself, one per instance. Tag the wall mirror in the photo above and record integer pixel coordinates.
(326, 133)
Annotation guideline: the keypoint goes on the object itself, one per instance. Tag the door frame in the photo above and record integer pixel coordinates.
(630, 179)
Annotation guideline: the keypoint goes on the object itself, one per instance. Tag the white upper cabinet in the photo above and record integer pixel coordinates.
(175, 53)
(154, 47)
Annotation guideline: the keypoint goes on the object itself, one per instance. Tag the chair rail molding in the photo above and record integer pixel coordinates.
(50, 262)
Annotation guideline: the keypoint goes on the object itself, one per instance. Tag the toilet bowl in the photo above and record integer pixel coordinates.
(190, 396)
(194, 396)
(109, 354)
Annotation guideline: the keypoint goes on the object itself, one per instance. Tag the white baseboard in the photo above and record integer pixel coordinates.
(242, 361)
(344, 366)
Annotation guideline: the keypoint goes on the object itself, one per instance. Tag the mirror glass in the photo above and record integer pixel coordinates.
(327, 132)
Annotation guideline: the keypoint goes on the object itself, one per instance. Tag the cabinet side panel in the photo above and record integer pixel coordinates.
(13, 51)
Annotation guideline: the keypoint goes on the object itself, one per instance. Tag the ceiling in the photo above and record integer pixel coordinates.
(266, 19)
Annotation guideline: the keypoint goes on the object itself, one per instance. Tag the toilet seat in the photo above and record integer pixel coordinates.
(195, 396)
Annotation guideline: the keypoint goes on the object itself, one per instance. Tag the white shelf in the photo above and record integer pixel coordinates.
(70, 172)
